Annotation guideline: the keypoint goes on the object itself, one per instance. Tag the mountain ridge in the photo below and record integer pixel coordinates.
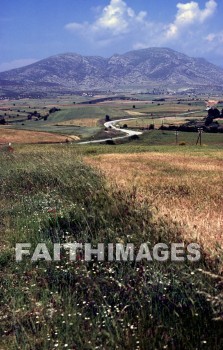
(144, 68)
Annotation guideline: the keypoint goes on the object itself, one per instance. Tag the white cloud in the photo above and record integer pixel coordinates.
(118, 17)
(115, 19)
(214, 44)
(16, 64)
(118, 25)
(189, 14)
(76, 26)
(215, 38)
(210, 37)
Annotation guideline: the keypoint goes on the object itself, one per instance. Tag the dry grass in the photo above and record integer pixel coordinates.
(170, 108)
(25, 136)
(158, 121)
(135, 113)
(186, 189)
(88, 122)
(124, 102)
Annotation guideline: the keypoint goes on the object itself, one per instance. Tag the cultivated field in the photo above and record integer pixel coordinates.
(81, 116)
(24, 136)
(185, 188)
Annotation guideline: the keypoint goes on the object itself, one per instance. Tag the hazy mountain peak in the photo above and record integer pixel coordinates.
(144, 68)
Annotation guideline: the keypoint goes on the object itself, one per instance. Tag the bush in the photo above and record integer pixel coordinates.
(110, 142)
(2, 121)
(133, 137)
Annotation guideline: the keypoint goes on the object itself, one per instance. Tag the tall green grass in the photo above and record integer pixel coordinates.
(50, 196)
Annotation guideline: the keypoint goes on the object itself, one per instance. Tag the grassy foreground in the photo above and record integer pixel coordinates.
(52, 196)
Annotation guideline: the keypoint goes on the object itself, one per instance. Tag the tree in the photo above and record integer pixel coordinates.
(2, 121)
(214, 112)
(110, 142)
(53, 110)
(209, 120)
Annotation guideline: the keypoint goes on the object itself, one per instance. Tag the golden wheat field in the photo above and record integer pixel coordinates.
(183, 188)
(86, 122)
(26, 136)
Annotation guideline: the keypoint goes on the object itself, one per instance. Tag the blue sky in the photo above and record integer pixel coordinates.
(32, 30)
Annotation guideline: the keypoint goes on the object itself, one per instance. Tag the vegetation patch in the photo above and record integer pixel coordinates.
(52, 196)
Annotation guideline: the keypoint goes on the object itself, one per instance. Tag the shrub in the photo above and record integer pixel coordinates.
(133, 137)
(110, 142)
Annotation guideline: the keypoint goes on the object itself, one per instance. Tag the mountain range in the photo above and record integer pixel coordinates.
(139, 69)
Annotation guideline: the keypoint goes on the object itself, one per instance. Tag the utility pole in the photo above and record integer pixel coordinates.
(162, 126)
(176, 133)
(200, 130)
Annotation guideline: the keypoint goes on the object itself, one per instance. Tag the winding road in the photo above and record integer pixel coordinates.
(111, 125)
(128, 132)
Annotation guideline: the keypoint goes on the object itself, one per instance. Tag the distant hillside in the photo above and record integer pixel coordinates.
(147, 68)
